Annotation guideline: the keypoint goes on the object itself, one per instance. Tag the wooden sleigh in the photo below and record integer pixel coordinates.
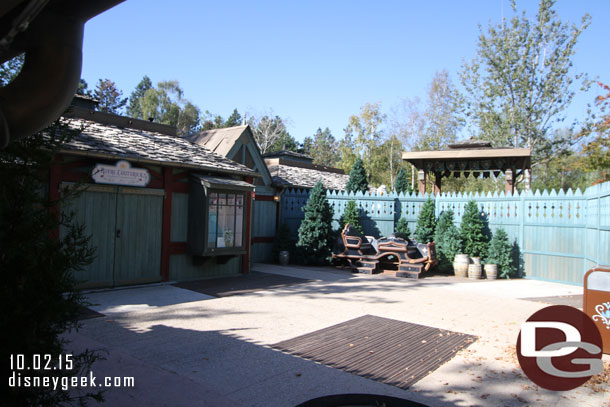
(366, 254)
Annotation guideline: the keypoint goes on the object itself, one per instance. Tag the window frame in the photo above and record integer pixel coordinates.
(207, 250)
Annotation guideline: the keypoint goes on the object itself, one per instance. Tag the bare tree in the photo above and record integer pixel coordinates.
(267, 129)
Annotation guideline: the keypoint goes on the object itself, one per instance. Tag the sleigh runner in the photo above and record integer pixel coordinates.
(366, 254)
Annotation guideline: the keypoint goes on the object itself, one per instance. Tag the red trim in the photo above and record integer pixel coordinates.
(264, 198)
(262, 239)
(73, 176)
(182, 187)
(177, 247)
(76, 164)
(181, 176)
(166, 222)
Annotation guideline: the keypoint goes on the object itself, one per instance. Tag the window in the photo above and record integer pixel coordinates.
(225, 220)
(217, 216)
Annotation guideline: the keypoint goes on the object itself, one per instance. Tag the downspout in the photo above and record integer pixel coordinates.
(51, 71)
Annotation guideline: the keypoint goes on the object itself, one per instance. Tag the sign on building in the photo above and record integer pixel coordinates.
(120, 174)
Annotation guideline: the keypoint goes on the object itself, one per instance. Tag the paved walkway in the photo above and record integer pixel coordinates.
(186, 348)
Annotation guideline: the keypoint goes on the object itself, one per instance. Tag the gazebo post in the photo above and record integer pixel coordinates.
(437, 182)
(509, 187)
(421, 180)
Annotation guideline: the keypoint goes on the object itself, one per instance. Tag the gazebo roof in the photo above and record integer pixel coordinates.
(414, 157)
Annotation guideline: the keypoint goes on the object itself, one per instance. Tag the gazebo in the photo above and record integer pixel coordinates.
(466, 157)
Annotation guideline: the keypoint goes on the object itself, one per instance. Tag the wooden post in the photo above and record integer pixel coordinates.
(421, 180)
(245, 258)
(509, 187)
(437, 182)
(166, 225)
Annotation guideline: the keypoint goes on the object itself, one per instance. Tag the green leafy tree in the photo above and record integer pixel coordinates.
(426, 223)
(281, 242)
(233, 120)
(435, 124)
(83, 88)
(351, 215)
(165, 104)
(500, 254)
(285, 142)
(357, 181)
(109, 97)
(521, 81)
(315, 232)
(364, 138)
(322, 147)
(38, 295)
(448, 241)
(133, 108)
(402, 184)
(402, 228)
(472, 231)
(596, 152)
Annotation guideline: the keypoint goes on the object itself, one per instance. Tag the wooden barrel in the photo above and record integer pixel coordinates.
(460, 265)
(474, 271)
(475, 260)
(491, 271)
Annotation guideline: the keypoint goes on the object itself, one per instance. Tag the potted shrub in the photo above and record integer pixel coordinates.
(402, 228)
(472, 232)
(500, 254)
(282, 245)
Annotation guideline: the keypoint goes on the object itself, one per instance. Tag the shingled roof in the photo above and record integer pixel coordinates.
(220, 141)
(106, 136)
(297, 177)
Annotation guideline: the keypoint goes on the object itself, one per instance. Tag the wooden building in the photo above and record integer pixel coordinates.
(238, 144)
(158, 207)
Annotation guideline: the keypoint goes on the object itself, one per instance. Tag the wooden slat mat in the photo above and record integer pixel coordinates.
(386, 350)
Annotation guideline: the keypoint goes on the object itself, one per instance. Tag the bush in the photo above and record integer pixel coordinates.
(448, 241)
(472, 231)
(402, 184)
(402, 228)
(500, 254)
(37, 296)
(426, 223)
(315, 232)
(357, 181)
(281, 242)
(352, 216)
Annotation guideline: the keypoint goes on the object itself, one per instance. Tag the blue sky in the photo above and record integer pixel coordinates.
(314, 63)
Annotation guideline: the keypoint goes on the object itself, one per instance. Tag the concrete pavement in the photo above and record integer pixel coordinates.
(188, 348)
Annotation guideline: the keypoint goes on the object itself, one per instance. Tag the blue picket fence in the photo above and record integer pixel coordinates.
(560, 235)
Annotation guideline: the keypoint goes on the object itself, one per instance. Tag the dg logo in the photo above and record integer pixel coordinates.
(560, 348)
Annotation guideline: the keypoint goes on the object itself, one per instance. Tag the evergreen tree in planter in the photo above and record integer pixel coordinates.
(402, 228)
(315, 231)
(448, 241)
(281, 242)
(472, 231)
(357, 178)
(352, 216)
(500, 254)
(402, 184)
(426, 223)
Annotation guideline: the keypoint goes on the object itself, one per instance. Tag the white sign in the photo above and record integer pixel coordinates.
(120, 174)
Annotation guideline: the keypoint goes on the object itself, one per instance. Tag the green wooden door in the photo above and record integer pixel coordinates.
(125, 228)
(95, 209)
(137, 255)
